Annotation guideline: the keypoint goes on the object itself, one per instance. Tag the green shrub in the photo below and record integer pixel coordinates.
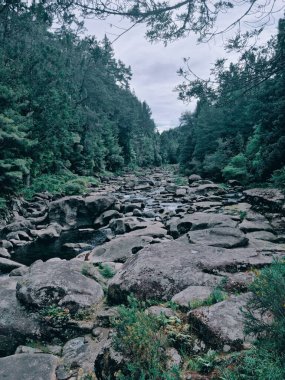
(218, 295)
(236, 169)
(106, 271)
(278, 178)
(140, 338)
(64, 184)
(265, 318)
(203, 364)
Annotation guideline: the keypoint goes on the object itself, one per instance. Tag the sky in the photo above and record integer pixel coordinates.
(154, 66)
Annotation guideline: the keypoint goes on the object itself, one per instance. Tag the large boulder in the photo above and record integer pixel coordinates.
(190, 294)
(199, 221)
(160, 271)
(222, 325)
(7, 265)
(82, 352)
(70, 212)
(16, 323)
(76, 211)
(119, 249)
(272, 199)
(28, 367)
(59, 283)
(227, 237)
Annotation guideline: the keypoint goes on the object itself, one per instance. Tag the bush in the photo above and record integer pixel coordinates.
(140, 338)
(64, 184)
(265, 317)
(278, 178)
(106, 271)
(237, 169)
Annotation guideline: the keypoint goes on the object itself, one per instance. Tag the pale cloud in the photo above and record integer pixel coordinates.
(155, 66)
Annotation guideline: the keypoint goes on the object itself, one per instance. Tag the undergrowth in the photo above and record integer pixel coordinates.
(140, 338)
(62, 184)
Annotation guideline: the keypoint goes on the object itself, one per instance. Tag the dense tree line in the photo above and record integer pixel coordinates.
(237, 129)
(65, 101)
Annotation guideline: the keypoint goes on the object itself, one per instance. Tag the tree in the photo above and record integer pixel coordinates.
(169, 20)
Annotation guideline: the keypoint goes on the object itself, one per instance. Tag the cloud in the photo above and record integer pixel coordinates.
(155, 66)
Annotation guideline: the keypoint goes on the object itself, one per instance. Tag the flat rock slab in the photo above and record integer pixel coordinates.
(199, 221)
(58, 282)
(28, 367)
(160, 271)
(251, 226)
(222, 325)
(227, 237)
(273, 198)
(7, 265)
(119, 249)
(192, 293)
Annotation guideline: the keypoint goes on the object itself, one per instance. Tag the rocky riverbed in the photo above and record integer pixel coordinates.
(67, 263)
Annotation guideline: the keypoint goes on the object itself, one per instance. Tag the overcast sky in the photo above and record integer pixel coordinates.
(154, 66)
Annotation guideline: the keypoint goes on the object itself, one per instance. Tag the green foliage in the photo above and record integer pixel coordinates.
(265, 318)
(255, 364)
(236, 132)
(55, 315)
(65, 105)
(278, 178)
(216, 296)
(64, 184)
(237, 169)
(140, 338)
(181, 181)
(106, 271)
(203, 364)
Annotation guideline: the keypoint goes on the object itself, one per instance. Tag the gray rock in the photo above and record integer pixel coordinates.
(7, 265)
(70, 212)
(192, 293)
(19, 271)
(119, 249)
(160, 271)
(227, 237)
(130, 207)
(223, 323)
(194, 178)
(173, 358)
(181, 191)
(20, 225)
(271, 198)
(27, 350)
(58, 283)
(251, 226)
(4, 253)
(206, 189)
(198, 221)
(28, 367)
(157, 311)
(6, 244)
(82, 352)
(262, 235)
(105, 218)
(16, 323)
(75, 211)
(53, 231)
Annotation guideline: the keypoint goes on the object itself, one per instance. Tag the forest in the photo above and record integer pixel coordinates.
(66, 107)
(237, 129)
(67, 112)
